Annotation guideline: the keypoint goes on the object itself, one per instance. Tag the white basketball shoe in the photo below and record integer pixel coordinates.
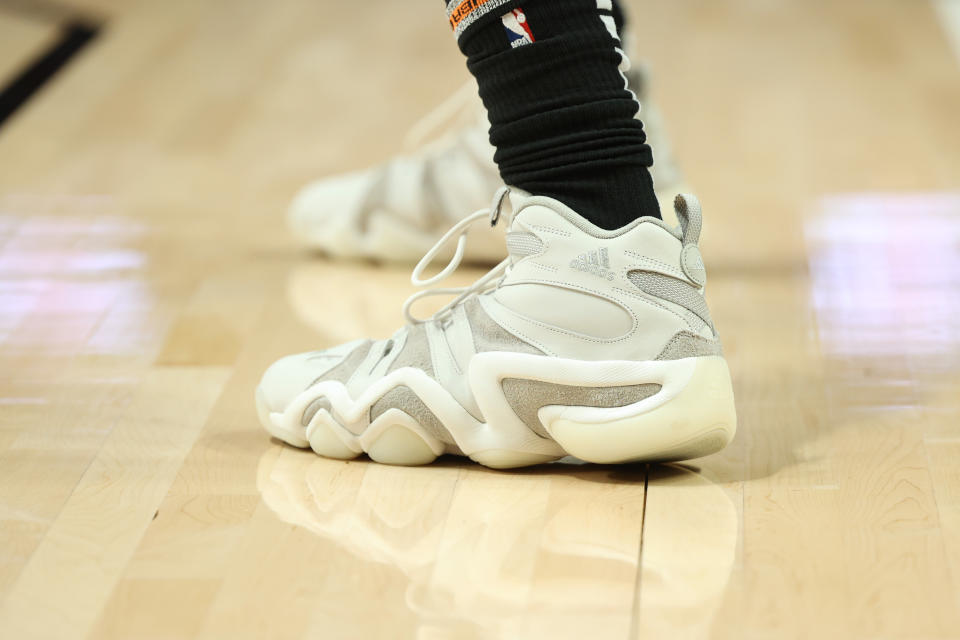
(397, 210)
(582, 341)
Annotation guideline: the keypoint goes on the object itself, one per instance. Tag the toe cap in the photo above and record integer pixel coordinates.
(322, 211)
(289, 376)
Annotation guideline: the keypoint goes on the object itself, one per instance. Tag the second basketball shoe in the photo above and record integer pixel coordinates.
(583, 341)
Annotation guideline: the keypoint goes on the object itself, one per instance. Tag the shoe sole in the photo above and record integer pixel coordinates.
(692, 415)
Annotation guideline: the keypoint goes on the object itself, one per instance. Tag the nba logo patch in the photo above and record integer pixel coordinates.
(517, 28)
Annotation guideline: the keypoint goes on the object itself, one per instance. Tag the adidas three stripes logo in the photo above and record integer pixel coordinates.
(596, 262)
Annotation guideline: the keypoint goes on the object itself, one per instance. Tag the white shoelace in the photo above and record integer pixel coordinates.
(459, 231)
(453, 112)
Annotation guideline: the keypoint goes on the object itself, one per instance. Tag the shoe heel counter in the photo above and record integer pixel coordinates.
(686, 289)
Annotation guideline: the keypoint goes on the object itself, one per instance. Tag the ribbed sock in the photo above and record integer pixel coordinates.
(561, 118)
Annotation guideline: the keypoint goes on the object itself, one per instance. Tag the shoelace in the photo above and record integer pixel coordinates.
(461, 104)
(460, 232)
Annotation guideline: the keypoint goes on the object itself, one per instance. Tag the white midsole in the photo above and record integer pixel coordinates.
(574, 429)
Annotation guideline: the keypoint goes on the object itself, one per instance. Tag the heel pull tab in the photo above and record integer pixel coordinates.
(690, 216)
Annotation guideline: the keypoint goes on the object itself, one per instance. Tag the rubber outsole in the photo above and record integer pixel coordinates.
(698, 420)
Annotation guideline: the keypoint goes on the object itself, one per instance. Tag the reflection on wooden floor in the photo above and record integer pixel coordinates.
(146, 281)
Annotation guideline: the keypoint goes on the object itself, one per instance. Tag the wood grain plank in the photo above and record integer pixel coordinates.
(98, 528)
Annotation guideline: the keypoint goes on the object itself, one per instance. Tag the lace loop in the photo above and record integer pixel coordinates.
(458, 231)
(498, 199)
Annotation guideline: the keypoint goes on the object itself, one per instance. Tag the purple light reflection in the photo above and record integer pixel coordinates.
(885, 274)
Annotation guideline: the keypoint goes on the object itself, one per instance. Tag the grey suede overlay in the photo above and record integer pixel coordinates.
(406, 400)
(490, 336)
(313, 408)
(415, 352)
(526, 397)
(685, 344)
(343, 371)
(672, 290)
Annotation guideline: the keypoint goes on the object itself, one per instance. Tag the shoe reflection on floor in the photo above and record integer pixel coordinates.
(549, 551)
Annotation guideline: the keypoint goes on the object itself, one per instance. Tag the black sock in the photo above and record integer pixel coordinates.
(561, 119)
(619, 15)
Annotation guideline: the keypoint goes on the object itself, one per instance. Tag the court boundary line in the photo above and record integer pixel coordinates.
(75, 35)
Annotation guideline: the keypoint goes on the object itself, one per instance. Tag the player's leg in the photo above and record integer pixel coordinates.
(551, 75)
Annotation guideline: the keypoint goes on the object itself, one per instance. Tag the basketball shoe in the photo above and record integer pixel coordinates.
(582, 341)
(397, 210)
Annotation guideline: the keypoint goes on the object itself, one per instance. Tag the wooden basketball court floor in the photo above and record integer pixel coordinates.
(146, 281)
